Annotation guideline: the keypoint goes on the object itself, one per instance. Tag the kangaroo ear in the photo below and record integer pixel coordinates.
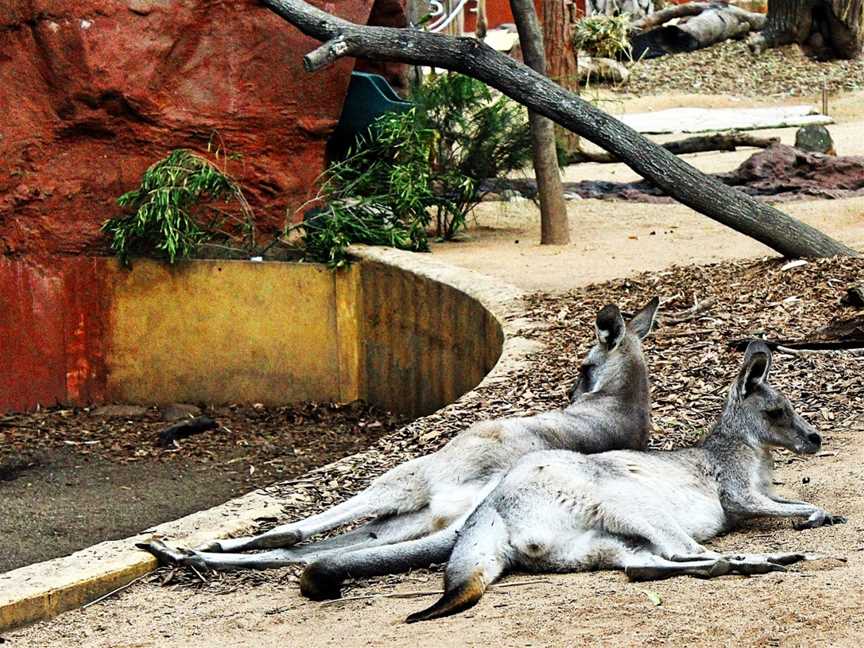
(643, 321)
(609, 326)
(757, 364)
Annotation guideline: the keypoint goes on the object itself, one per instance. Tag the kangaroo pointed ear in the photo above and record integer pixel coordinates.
(643, 321)
(609, 326)
(754, 372)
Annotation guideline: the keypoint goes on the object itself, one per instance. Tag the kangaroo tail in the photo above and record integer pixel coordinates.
(478, 559)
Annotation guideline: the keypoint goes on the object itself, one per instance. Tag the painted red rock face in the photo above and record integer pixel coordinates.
(94, 91)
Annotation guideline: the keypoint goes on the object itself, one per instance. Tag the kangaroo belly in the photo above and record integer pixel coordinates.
(657, 487)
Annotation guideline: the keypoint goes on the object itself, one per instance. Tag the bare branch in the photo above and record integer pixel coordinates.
(327, 54)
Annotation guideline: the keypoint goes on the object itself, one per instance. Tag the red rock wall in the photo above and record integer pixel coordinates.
(94, 91)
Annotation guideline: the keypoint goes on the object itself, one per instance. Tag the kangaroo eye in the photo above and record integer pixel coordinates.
(775, 414)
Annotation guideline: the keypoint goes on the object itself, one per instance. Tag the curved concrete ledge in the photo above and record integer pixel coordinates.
(46, 589)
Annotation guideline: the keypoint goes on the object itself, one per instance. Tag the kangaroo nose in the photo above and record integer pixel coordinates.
(815, 439)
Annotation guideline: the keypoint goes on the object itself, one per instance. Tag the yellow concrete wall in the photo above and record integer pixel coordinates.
(425, 343)
(236, 331)
(229, 331)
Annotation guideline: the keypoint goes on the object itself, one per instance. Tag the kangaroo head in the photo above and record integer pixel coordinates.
(763, 413)
(615, 362)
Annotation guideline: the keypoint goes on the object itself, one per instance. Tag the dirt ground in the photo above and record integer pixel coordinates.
(616, 239)
(822, 603)
(57, 465)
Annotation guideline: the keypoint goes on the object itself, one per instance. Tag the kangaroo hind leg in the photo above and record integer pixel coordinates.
(400, 490)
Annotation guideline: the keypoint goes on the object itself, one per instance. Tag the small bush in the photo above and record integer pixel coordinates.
(423, 164)
(183, 201)
(603, 36)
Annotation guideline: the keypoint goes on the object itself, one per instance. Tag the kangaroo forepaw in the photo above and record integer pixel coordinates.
(171, 556)
(820, 519)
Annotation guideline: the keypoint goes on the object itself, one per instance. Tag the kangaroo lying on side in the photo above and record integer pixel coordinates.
(430, 497)
(643, 512)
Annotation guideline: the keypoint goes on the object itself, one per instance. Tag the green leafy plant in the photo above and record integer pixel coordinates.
(425, 164)
(379, 194)
(183, 201)
(603, 36)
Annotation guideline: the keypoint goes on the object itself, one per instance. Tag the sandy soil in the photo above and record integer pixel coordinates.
(615, 239)
(820, 604)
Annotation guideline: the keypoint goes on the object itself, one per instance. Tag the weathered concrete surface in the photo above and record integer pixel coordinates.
(424, 342)
(46, 589)
(94, 91)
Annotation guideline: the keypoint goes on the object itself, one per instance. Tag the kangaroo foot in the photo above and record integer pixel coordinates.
(752, 565)
(272, 540)
(170, 556)
(700, 569)
(321, 583)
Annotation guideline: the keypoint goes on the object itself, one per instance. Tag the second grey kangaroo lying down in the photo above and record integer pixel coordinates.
(643, 512)
(418, 505)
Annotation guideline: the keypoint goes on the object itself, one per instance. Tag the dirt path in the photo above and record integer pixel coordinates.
(617, 239)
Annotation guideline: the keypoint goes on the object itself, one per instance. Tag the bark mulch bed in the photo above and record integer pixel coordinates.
(730, 68)
(80, 476)
(689, 358)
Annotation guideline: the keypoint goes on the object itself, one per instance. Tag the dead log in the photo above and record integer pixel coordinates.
(710, 23)
(596, 68)
(801, 345)
(698, 144)
(469, 56)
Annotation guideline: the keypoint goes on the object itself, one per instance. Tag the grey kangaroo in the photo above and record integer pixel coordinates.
(418, 505)
(643, 512)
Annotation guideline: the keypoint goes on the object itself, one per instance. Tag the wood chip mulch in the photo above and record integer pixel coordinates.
(730, 68)
(690, 362)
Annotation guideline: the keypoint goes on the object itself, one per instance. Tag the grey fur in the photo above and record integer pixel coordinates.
(644, 512)
(417, 506)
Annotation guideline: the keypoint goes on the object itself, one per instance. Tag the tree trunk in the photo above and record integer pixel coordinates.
(710, 23)
(554, 228)
(469, 56)
(827, 28)
(561, 62)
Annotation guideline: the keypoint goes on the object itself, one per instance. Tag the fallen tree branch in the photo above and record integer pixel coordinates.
(802, 345)
(704, 24)
(691, 313)
(469, 56)
(698, 144)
